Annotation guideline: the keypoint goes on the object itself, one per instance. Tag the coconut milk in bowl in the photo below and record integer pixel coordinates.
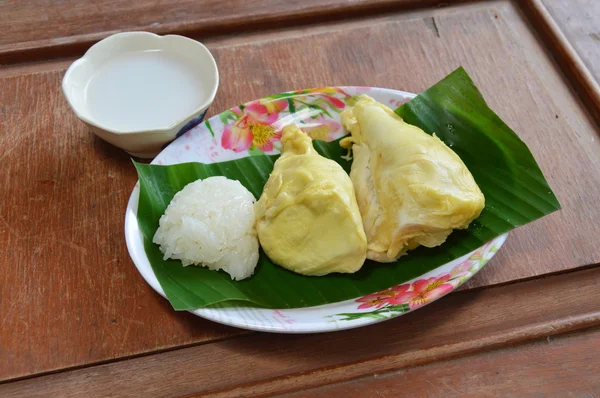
(139, 90)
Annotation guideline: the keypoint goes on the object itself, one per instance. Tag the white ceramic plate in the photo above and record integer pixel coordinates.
(232, 135)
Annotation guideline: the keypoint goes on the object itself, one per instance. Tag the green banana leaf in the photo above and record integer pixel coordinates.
(515, 189)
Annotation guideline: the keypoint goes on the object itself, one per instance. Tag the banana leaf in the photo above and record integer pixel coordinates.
(515, 189)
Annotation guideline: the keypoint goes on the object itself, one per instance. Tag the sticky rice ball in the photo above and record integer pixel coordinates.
(210, 223)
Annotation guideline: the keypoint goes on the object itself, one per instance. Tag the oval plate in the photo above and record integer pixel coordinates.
(232, 135)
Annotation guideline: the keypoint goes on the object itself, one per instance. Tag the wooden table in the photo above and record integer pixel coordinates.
(76, 318)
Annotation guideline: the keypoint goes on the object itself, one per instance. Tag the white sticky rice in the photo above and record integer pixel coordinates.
(210, 222)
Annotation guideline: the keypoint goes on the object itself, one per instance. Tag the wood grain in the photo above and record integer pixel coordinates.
(266, 364)
(565, 367)
(579, 21)
(70, 295)
(68, 291)
(566, 56)
(41, 29)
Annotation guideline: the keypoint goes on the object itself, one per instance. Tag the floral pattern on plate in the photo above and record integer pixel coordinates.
(255, 128)
(410, 296)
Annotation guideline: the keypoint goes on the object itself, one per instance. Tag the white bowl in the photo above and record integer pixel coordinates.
(102, 94)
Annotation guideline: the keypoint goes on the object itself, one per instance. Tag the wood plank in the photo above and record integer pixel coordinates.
(265, 364)
(72, 297)
(567, 367)
(578, 21)
(569, 58)
(70, 294)
(41, 29)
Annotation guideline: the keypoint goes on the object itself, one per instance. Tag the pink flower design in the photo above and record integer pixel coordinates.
(281, 318)
(464, 268)
(321, 128)
(394, 301)
(253, 128)
(383, 297)
(461, 269)
(424, 291)
(328, 92)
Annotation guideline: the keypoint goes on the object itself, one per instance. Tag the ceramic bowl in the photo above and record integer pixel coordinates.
(146, 141)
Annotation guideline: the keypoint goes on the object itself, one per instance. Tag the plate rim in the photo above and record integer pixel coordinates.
(135, 245)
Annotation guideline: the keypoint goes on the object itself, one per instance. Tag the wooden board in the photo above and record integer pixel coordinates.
(553, 367)
(568, 54)
(41, 29)
(264, 364)
(70, 295)
(579, 21)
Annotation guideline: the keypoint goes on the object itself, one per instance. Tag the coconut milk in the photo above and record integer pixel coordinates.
(144, 91)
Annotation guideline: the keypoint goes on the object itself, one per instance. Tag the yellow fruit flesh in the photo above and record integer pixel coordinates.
(411, 188)
(307, 216)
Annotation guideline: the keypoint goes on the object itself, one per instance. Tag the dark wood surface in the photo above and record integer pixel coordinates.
(71, 297)
(40, 29)
(262, 364)
(574, 55)
(551, 367)
(579, 20)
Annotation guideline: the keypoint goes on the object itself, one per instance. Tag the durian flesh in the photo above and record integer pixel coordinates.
(307, 216)
(411, 188)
